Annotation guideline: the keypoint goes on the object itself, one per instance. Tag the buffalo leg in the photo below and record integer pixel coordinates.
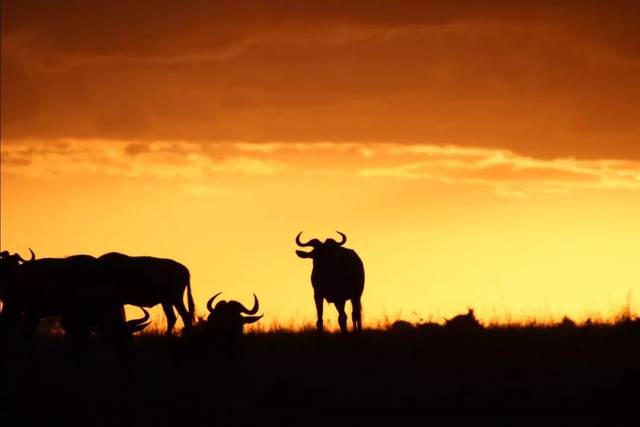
(356, 314)
(342, 316)
(318, 300)
(171, 317)
(184, 313)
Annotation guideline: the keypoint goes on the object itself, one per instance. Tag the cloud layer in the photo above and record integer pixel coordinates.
(504, 172)
(543, 79)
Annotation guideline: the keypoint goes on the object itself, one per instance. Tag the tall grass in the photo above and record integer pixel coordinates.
(626, 312)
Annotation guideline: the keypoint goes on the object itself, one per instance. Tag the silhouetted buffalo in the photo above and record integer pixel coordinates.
(110, 323)
(146, 281)
(7, 259)
(50, 287)
(9, 267)
(72, 288)
(337, 276)
(226, 320)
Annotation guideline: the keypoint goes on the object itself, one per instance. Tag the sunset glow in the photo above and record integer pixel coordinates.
(484, 157)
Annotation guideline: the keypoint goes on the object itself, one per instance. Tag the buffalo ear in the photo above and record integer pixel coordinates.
(303, 254)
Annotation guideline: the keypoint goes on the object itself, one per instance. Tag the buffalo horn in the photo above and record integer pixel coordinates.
(251, 319)
(33, 256)
(312, 242)
(137, 325)
(210, 302)
(254, 309)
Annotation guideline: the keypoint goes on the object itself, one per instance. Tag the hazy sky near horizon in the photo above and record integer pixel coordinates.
(477, 154)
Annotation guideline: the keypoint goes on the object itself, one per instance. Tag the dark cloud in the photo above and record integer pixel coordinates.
(542, 78)
(165, 27)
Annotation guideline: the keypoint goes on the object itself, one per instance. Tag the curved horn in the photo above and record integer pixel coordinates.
(33, 256)
(210, 302)
(145, 317)
(136, 325)
(313, 242)
(251, 319)
(300, 243)
(344, 239)
(254, 309)
(138, 328)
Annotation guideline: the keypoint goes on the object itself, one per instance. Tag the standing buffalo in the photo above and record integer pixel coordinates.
(225, 321)
(69, 287)
(147, 281)
(337, 276)
(52, 287)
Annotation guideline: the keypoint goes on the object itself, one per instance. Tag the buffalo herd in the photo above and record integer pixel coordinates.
(89, 293)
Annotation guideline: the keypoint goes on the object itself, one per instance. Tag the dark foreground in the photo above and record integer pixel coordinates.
(179, 381)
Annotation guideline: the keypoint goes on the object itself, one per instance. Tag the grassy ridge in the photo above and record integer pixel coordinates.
(499, 370)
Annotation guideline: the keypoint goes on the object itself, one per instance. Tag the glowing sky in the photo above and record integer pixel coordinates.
(476, 154)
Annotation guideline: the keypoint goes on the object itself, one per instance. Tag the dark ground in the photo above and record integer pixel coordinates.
(501, 371)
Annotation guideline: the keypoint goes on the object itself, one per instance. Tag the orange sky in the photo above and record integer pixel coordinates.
(482, 156)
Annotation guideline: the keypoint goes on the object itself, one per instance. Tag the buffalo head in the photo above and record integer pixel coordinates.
(9, 263)
(9, 266)
(320, 249)
(106, 322)
(227, 318)
(5, 256)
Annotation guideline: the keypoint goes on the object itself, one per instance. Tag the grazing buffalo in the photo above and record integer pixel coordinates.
(337, 276)
(110, 323)
(226, 320)
(147, 281)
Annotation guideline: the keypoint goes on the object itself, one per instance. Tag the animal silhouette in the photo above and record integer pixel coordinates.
(108, 324)
(146, 281)
(337, 276)
(69, 287)
(9, 267)
(119, 319)
(227, 318)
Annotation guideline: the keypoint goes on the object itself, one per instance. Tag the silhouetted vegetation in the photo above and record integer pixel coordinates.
(425, 369)
(216, 368)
